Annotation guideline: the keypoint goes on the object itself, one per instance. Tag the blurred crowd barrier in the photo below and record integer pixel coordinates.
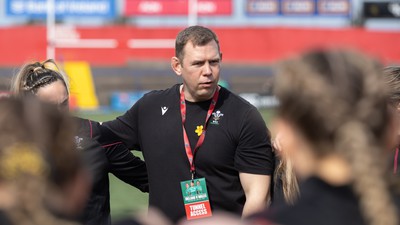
(120, 45)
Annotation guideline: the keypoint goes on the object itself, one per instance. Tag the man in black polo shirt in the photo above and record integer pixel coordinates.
(197, 130)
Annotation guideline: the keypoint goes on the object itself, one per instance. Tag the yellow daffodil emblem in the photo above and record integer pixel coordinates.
(199, 130)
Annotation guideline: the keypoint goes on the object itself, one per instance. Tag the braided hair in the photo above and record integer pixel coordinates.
(338, 100)
(33, 76)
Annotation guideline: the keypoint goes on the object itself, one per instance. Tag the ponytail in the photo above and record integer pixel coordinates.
(361, 149)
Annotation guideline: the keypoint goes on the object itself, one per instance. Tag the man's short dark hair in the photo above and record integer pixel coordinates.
(198, 35)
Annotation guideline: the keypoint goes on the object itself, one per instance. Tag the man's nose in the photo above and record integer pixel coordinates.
(207, 69)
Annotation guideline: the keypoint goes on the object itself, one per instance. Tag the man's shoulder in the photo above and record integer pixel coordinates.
(151, 102)
(157, 98)
(156, 94)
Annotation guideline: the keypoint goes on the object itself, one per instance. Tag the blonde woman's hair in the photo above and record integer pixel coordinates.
(338, 100)
(284, 172)
(35, 75)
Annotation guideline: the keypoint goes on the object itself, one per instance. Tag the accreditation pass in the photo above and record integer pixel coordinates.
(195, 198)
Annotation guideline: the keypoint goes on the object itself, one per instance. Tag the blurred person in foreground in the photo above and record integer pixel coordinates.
(198, 130)
(334, 117)
(103, 155)
(42, 178)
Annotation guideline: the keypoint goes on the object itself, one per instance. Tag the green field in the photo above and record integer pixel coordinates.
(125, 199)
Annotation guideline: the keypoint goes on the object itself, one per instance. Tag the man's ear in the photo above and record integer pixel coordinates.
(176, 65)
(220, 56)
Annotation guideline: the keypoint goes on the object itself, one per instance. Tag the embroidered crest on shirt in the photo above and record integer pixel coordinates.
(216, 116)
(199, 130)
(78, 142)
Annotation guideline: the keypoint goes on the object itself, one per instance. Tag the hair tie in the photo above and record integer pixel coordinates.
(50, 65)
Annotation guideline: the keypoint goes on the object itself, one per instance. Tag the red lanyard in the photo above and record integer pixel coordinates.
(188, 149)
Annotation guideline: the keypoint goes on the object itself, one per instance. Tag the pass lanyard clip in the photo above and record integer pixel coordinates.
(200, 141)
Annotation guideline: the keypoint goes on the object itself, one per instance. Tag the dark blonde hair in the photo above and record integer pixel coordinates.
(35, 75)
(337, 99)
(37, 154)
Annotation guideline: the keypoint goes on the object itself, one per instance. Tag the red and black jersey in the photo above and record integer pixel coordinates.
(103, 155)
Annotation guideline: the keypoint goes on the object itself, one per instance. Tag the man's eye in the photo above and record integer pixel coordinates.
(197, 63)
(214, 62)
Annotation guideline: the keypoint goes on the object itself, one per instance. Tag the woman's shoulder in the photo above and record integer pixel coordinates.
(317, 199)
(4, 220)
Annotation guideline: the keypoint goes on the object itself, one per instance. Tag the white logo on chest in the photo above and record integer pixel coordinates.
(164, 109)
